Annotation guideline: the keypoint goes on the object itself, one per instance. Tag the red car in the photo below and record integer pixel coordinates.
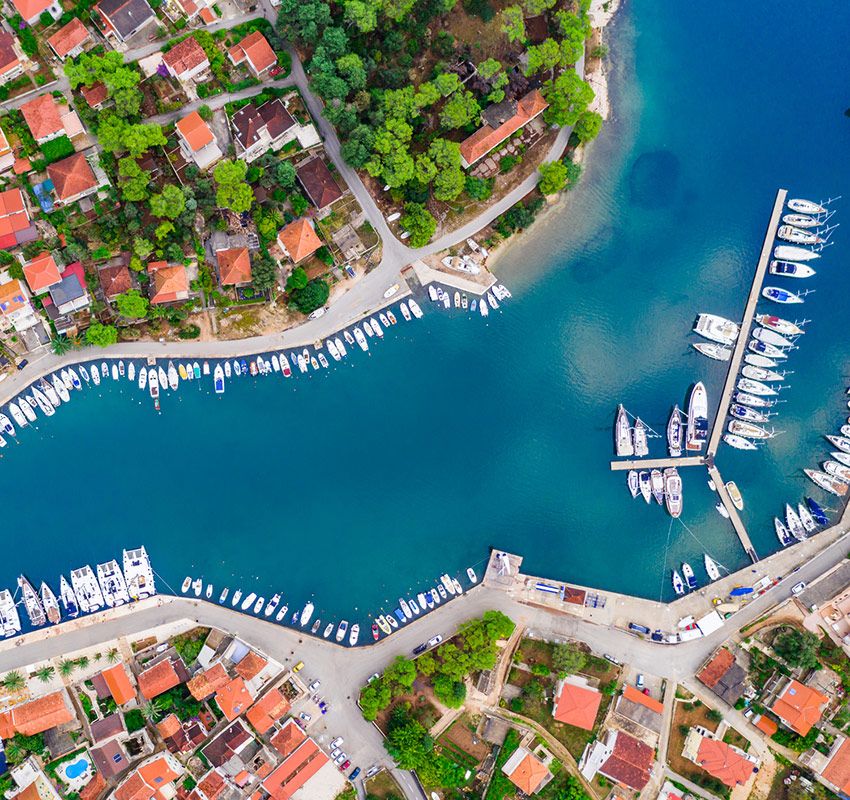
(346, 764)
(275, 71)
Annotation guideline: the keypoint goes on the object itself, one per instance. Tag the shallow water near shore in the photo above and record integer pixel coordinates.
(356, 485)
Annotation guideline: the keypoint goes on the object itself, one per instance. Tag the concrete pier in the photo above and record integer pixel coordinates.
(746, 324)
(657, 463)
(734, 517)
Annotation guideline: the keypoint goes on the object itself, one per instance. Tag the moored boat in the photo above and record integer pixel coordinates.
(755, 387)
(306, 613)
(826, 482)
(68, 598)
(329, 629)
(675, 431)
(788, 252)
(837, 470)
(414, 308)
(645, 484)
(678, 585)
(806, 518)
(716, 329)
(716, 351)
(841, 442)
(354, 635)
(782, 533)
(10, 621)
(639, 432)
(802, 206)
(697, 425)
(735, 495)
(138, 573)
(632, 483)
(792, 522)
(761, 374)
(50, 603)
(817, 512)
(801, 220)
(779, 295)
(748, 414)
(738, 442)
(673, 492)
(794, 235)
(688, 575)
(218, 379)
(623, 443)
(790, 269)
(86, 589)
(738, 427)
(360, 339)
(32, 603)
(112, 583)
(656, 481)
(759, 361)
(711, 567)
(341, 630)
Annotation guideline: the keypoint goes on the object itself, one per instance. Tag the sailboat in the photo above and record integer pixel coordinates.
(645, 483)
(632, 483)
(711, 567)
(68, 598)
(716, 351)
(688, 573)
(639, 433)
(32, 604)
(806, 518)
(817, 512)
(623, 434)
(827, 482)
(678, 586)
(50, 603)
(793, 523)
(805, 206)
(674, 432)
(657, 484)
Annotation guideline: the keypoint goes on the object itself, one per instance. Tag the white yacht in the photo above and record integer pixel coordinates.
(717, 329)
(111, 581)
(697, 426)
(10, 621)
(306, 614)
(86, 589)
(138, 573)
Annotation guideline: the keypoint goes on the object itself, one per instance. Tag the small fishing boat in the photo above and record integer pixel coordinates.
(209, 591)
(218, 379)
(711, 567)
(408, 614)
(243, 366)
(223, 596)
(678, 585)
(697, 425)
(50, 603)
(228, 370)
(187, 582)
(827, 482)
(196, 370)
(457, 299)
(446, 301)
(237, 369)
(383, 624)
(675, 432)
(483, 309)
(302, 363)
(383, 318)
(272, 604)
(761, 374)
(792, 522)
(253, 368)
(341, 630)
(688, 575)
(778, 295)
(258, 606)
(645, 484)
(405, 313)
(787, 252)
(329, 629)
(354, 635)
(332, 349)
(284, 366)
(747, 414)
(429, 595)
(314, 363)
(716, 351)
(306, 613)
(69, 600)
(632, 483)
(249, 600)
(759, 361)
(181, 371)
(817, 512)
(782, 533)
(790, 269)
(115, 375)
(197, 586)
(755, 387)
(794, 235)
(622, 433)
(656, 481)
(237, 596)
(492, 302)
(841, 442)
(721, 509)
(315, 628)
(6, 425)
(464, 302)
(360, 339)
(432, 293)
(735, 495)
(716, 329)
(367, 328)
(414, 607)
(414, 308)
(806, 518)
(470, 573)
(740, 428)
(738, 442)
(341, 347)
(323, 361)
(206, 368)
(673, 492)
(639, 433)
(281, 615)
(104, 369)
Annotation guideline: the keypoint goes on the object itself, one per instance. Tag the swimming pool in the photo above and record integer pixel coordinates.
(75, 769)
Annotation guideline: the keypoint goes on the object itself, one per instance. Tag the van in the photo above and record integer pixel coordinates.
(633, 626)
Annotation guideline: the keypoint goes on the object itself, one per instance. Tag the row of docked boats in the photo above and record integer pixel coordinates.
(800, 522)
(107, 586)
(689, 584)
(489, 300)
(665, 487)
(276, 608)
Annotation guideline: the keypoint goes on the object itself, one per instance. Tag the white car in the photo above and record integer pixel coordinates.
(337, 742)
(314, 685)
(319, 312)
(305, 716)
(335, 753)
(435, 641)
(339, 759)
(798, 588)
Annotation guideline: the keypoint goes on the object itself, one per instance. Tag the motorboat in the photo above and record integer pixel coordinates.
(249, 601)
(153, 383)
(341, 347)
(792, 522)
(376, 327)
(483, 308)
(306, 613)
(60, 389)
(470, 573)
(675, 432)
(17, 415)
(420, 600)
(645, 484)
(639, 434)
(782, 533)
(759, 361)
(10, 621)
(827, 482)
(457, 299)
(258, 606)
(761, 374)
(790, 269)
(429, 595)
(805, 206)
(414, 607)
(302, 363)
(447, 582)
(196, 370)
(778, 295)
(143, 378)
(491, 301)
(329, 629)
(84, 373)
(354, 635)
(794, 235)
(6, 425)
(341, 630)
(112, 583)
(716, 329)
(405, 313)
(755, 387)
(837, 470)
(360, 339)
(27, 409)
(315, 628)
(841, 458)
(383, 624)
(623, 434)
(781, 326)
(817, 512)
(747, 429)
(688, 575)
(711, 567)
(841, 442)
(237, 596)
(632, 483)
(228, 369)
(187, 584)
(173, 380)
(735, 495)
(281, 615)
(162, 376)
(458, 587)
(405, 608)
(801, 220)
(738, 442)
(138, 573)
(697, 426)
(114, 371)
(414, 308)
(218, 379)
(806, 518)
(50, 603)
(323, 361)
(95, 375)
(656, 481)
(68, 599)
(223, 596)
(678, 586)
(75, 379)
(716, 351)
(181, 371)
(787, 252)
(272, 604)
(721, 509)
(432, 293)
(332, 349)
(314, 363)
(765, 349)
(285, 368)
(747, 414)
(275, 363)
(673, 492)
(104, 369)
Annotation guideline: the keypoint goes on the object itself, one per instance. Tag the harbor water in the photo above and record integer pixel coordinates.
(366, 481)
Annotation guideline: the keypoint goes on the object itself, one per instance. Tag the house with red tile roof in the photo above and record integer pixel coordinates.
(70, 294)
(799, 707)
(114, 279)
(765, 724)
(289, 738)
(191, 9)
(307, 773)
(118, 683)
(41, 273)
(95, 95)
(254, 51)
(16, 226)
(70, 40)
(169, 282)
(43, 115)
(723, 675)
(728, 764)
(234, 269)
(576, 704)
(94, 788)
(526, 771)
(233, 698)
(151, 780)
(267, 711)
(13, 60)
(7, 155)
(212, 786)
(836, 772)
(37, 715)
(31, 10)
(318, 182)
(501, 121)
(251, 665)
(187, 60)
(298, 240)
(161, 677)
(74, 178)
(232, 741)
(619, 757)
(196, 140)
(639, 714)
(206, 683)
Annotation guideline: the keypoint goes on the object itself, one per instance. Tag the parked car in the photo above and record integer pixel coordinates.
(337, 742)
(421, 648)
(373, 770)
(335, 752)
(319, 312)
(346, 764)
(435, 641)
(611, 659)
(339, 759)
(275, 71)
(633, 626)
(314, 685)
(22, 363)
(798, 588)
(354, 773)
(373, 678)
(298, 667)
(639, 682)
(305, 716)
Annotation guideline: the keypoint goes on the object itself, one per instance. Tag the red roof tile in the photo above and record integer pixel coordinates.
(119, 684)
(528, 774)
(205, 684)
(577, 705)
(716, 667)
(195, 131)
(212, 785)
(9, 58)
(233, 698)
(41, 272)
(95, 94)
(185, 56)
(42, 116)
(630, 762)
(837, 771)
(637, 696)
(799, 707)
(31, 8)
(718, 759)
(288, 738)
(158, 679)
(94, 788)
(39, 715)
(271, 707)
(71, 176)
(68, 37)
(299, 240)
(295, 771)
(170, 282)
(256, 49)
(115, 280)
(253, 663)
(168, 726)
(234, 267)
(766, 724)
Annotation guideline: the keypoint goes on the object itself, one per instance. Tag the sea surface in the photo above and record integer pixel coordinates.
(365, 482)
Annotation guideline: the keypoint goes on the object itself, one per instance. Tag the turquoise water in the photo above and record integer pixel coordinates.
(76, 768)
(356, 485)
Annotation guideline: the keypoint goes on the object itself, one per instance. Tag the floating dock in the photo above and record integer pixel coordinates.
(734, 517)
(746, 324)
(657, 463)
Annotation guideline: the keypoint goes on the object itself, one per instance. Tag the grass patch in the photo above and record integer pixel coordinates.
(188, 645)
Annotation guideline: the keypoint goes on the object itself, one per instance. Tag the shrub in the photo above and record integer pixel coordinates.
(189, 332)
(56, 149)
(134, 720)
(507, 163)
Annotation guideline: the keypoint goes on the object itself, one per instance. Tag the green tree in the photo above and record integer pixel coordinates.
(408, 742)
(152, 709)
(400, 675)
(446, 83)
(553, 177)
(479, 188)
(567, 659)
(112, 655)
(535, 7)
(134, 180)
(128, 102)
(449, 692)
(546, 55)
(587, 126)
(205, 113)
(45, 673)
(285, 175)
(232, 191)
(513, 23)
(297, 279)
(314, 295)
(426, 169)
(362, 13)
(419, 222)
(60, 344)
(132, 304)
(13, 681)
(568, 96)
(426, 95)
(357, 150)
(460, 109)
(489, 67)
(351, 68)
(101, 335)
(798, 648)
(142, 247)
(449, 183)
(110, 132)
(67, 667)
(163, 230)
(397, 10)
(374, 698)
(169, 203)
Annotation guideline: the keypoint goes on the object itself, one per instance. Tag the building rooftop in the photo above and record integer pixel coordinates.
(68, 37)
(250, 120)
(287, 740)
(234, 267)
(256, 49)
(158, 679)
(194, 130)
(42, 116)
(42, 272)
(799, 706)
(299, 239)
(37, 715)
(115, 279)
(294, 771)
(233, 698)
(630, 762)
(577, 705)
(95, 94)
(319, 183)
(170, 281)
(15, 224)
(103, 729)
(724, 676)
(119, 683)
(224, 746)
(31, 8)
(8, 52)
(527, 772)
(723, 762)
(110, 758)
(71, 176)
(125, 16)
(94, 788)
(185, 56)
(271, 707)
(205, 684)
(837, 770)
